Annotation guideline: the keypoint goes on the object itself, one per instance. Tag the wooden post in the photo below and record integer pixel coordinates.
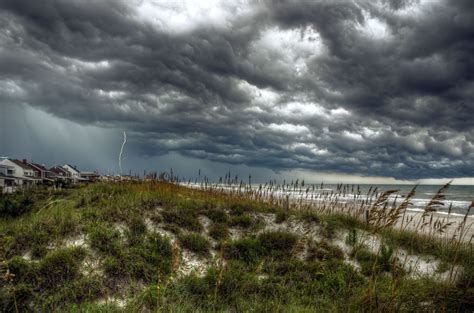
(287, 203)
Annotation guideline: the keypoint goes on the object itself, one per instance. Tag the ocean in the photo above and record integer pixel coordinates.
(459, 197)
(457, 200)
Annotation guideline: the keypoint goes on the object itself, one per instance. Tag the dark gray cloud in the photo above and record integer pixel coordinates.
(376, 88)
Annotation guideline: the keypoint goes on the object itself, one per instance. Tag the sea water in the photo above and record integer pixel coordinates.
(458, 197)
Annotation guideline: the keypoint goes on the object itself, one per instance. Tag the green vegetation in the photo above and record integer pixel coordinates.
(219, 231)
(322, 251)
(281, 216)
(184, 218)
(14, 205)
(195, 243)
(216, 215)
(277, 267)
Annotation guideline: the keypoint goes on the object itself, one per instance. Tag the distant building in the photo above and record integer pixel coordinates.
(23, 174)
(7, 181)
(60, 174)
(75, 174)
(90, 176)
(41, 172)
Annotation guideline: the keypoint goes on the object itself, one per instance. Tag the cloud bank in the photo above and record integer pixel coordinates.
(379, 88)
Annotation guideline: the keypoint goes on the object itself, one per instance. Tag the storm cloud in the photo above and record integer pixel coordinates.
(379, 88)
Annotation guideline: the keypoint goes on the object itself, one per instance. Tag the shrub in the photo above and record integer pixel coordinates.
(39, 250)
(295, 270)
(183, 218)
(113, 267)
(271, 244)
(16, 299)
(351, 238)
(81, 202)
(329, 229)
(281, 216)
(236, 282)
(277, 244)
(367, 260)
(386, 258)
(219, 231)
(243, 221)
(156, 218)
(370, 262)
(144, 260)
(310, 217)
(60, 266)
(247, 250)
(150, 257)
(137, 226)
(14, 205)
(172, 228)
(195, 243)
(76, 291)
(104, 239)
(137, 229)
(324, 251)
(23, 270)
(238, 209)
(216, 215)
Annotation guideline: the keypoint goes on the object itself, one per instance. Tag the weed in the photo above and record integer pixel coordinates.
(39, 250)
(243, 221)
(367, 260)
(259, 272)
(323, 251)
(172, 228)
(156, 218)
(104, 239)
(183, 218)
(238, 209)
(281, 216)
(386, 258)
(277, 244)
(270, 244)
(60, 266)
(310, 217)
(216, 215)
(351, 238)
(195, 243)
(247, 250)
(14, 205)
(219, 231)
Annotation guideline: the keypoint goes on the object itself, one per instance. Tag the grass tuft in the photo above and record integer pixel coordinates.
(195, 243)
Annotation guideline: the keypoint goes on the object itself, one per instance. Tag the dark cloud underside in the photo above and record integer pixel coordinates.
(376, 88)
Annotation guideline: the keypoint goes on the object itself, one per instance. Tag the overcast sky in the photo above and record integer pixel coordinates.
(370, 91)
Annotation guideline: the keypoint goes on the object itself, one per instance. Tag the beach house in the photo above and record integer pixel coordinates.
(20, 171)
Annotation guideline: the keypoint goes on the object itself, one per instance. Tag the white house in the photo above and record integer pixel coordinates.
(20, 171)
(7, 181)
(75, 173)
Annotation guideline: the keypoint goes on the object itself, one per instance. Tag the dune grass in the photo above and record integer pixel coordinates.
(43, 268)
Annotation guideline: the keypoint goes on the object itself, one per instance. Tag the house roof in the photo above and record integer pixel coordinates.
(72, 167)
(89, 173)
(21, 164)
(39, 167)
(58, 170)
